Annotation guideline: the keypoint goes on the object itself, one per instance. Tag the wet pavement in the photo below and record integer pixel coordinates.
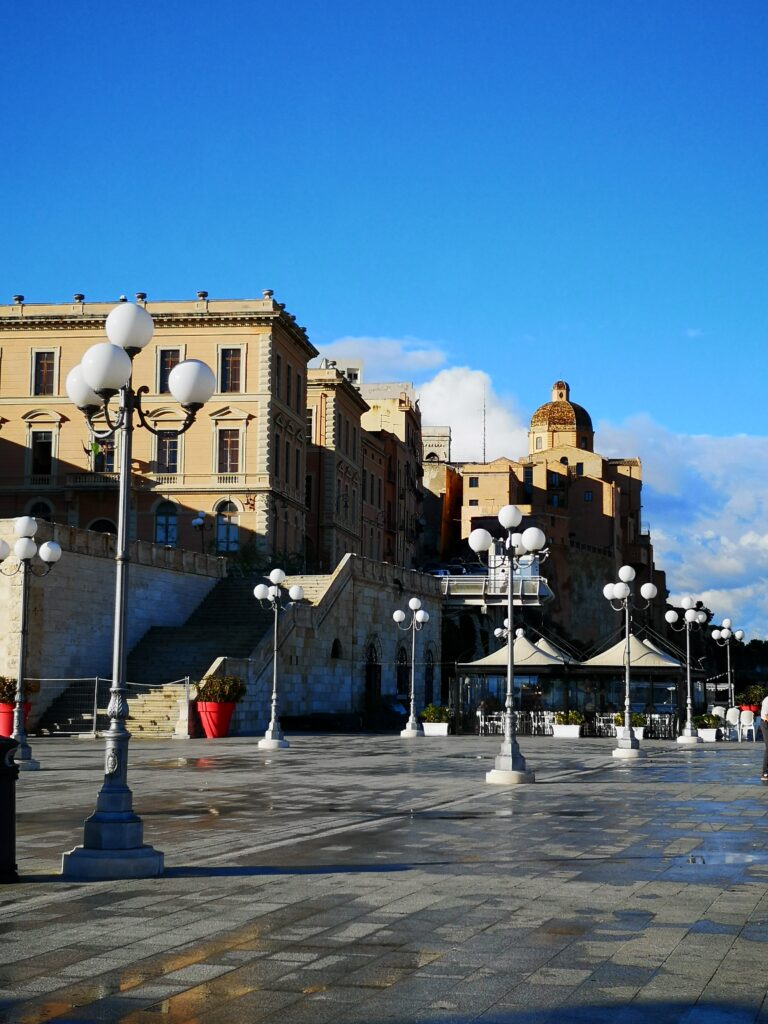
(373, 879)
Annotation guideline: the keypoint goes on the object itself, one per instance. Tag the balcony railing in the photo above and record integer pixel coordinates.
(93, 479)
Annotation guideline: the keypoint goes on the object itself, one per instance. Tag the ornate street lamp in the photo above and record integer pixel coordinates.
(419, 619)
(620, 596)
(509, 767)
(692, 618)
(722, 638)
(113, 836)
(200, 524)
(272, 597)
(25, 549)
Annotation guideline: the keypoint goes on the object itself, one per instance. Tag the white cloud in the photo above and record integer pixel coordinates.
(706, 501)
(386, 359)
(456, 397)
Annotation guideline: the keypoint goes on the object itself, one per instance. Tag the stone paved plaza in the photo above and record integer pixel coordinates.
(372, 879)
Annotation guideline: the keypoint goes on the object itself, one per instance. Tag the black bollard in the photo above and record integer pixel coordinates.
(9, 772)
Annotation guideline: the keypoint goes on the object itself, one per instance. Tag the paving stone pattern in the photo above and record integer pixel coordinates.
(373, 879)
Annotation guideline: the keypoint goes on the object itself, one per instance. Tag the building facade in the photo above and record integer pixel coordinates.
(242, 464)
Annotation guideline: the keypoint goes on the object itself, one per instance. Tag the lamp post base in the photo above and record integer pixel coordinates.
(689, 740)
(30, 765)
(628, 753)
(412, 730)
(86, 865)
(273, 737)
(503, 777)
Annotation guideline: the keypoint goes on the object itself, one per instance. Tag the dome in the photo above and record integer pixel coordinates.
(561, 413)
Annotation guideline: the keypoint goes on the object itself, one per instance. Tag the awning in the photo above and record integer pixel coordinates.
(642, 655)
(526, 656)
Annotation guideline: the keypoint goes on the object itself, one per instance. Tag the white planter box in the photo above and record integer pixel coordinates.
(638, 730)
(566, 730)
(435, 728)
(708, 735)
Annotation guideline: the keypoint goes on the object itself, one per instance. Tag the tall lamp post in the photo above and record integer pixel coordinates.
(113, 844)
(509, 766)
(419, 619)
(199, 523)
(25, 549)
(272, 597)
(722, 638)
(691, 619)
(620, 596)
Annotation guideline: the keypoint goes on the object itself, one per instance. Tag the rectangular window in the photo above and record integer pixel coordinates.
(42, 453)
(103, 456)
(346, 437)
(298, 391)
(45, 366)
(365, 483)
(473, 502)
(229, 450)
(167, 359)
(287, 461)
(288, 384)
(553, 478)
(298, 468)
(308, 492)
(229, 377)
(278, 442)
(474, 481)
(278, 374)
(167, 452)
(587, 495)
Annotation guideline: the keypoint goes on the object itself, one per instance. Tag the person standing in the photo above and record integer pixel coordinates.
(764, 731)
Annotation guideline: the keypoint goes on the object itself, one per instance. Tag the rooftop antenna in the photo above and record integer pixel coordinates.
(483, 423)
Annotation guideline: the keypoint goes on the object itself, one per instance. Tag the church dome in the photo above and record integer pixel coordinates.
(561, 413)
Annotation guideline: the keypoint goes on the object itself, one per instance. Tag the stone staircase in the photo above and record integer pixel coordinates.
(154, 713)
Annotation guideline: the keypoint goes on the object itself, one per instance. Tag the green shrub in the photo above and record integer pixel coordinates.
(7, 690)
(221, 689)
(706, 722)
(569, 718)
(755, 694)
(436, 713)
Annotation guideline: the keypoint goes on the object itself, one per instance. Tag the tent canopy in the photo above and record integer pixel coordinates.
(526, 656)
(641, 655)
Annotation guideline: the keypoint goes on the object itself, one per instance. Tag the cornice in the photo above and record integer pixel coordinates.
(188, 319)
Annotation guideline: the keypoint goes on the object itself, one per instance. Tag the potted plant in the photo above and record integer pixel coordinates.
(637, 718)
(7, 705)
(567, 723)
(216, 699)
(752, 698)
(707, 727)
(435, 719)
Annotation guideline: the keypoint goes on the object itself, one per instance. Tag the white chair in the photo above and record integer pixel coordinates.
(747, 722)
(732, 717)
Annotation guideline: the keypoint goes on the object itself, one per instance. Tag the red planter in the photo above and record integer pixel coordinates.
(215, 718)
(6, 718)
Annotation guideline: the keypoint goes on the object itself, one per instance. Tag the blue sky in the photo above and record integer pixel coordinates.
(527, 189)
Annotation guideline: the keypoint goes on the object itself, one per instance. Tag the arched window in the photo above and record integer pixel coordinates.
(41, 510)
(403, 674)
(539, 443)
(227, 528)
(165, 524)
(103, 526)
(336, 648)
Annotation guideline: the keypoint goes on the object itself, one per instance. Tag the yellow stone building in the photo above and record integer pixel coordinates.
(242, 463)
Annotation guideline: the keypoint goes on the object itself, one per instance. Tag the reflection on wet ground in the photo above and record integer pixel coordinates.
(362, 879)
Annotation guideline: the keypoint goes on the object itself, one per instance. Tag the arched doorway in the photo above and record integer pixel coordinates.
(41, 510)
(103, 526)
(403, 674)
(429, 678)
(372, 679)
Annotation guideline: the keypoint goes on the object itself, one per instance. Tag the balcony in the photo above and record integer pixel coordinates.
(95, 480)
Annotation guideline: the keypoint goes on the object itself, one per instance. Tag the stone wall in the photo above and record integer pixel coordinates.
(71, 610)
(317, 675)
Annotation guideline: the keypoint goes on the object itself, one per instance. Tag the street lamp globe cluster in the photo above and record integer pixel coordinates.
(419, 619)
(113, 842)
(693, 618)
(510, 767)
(723, 638)
(620, 595)
(25, 549)
(272, 597)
